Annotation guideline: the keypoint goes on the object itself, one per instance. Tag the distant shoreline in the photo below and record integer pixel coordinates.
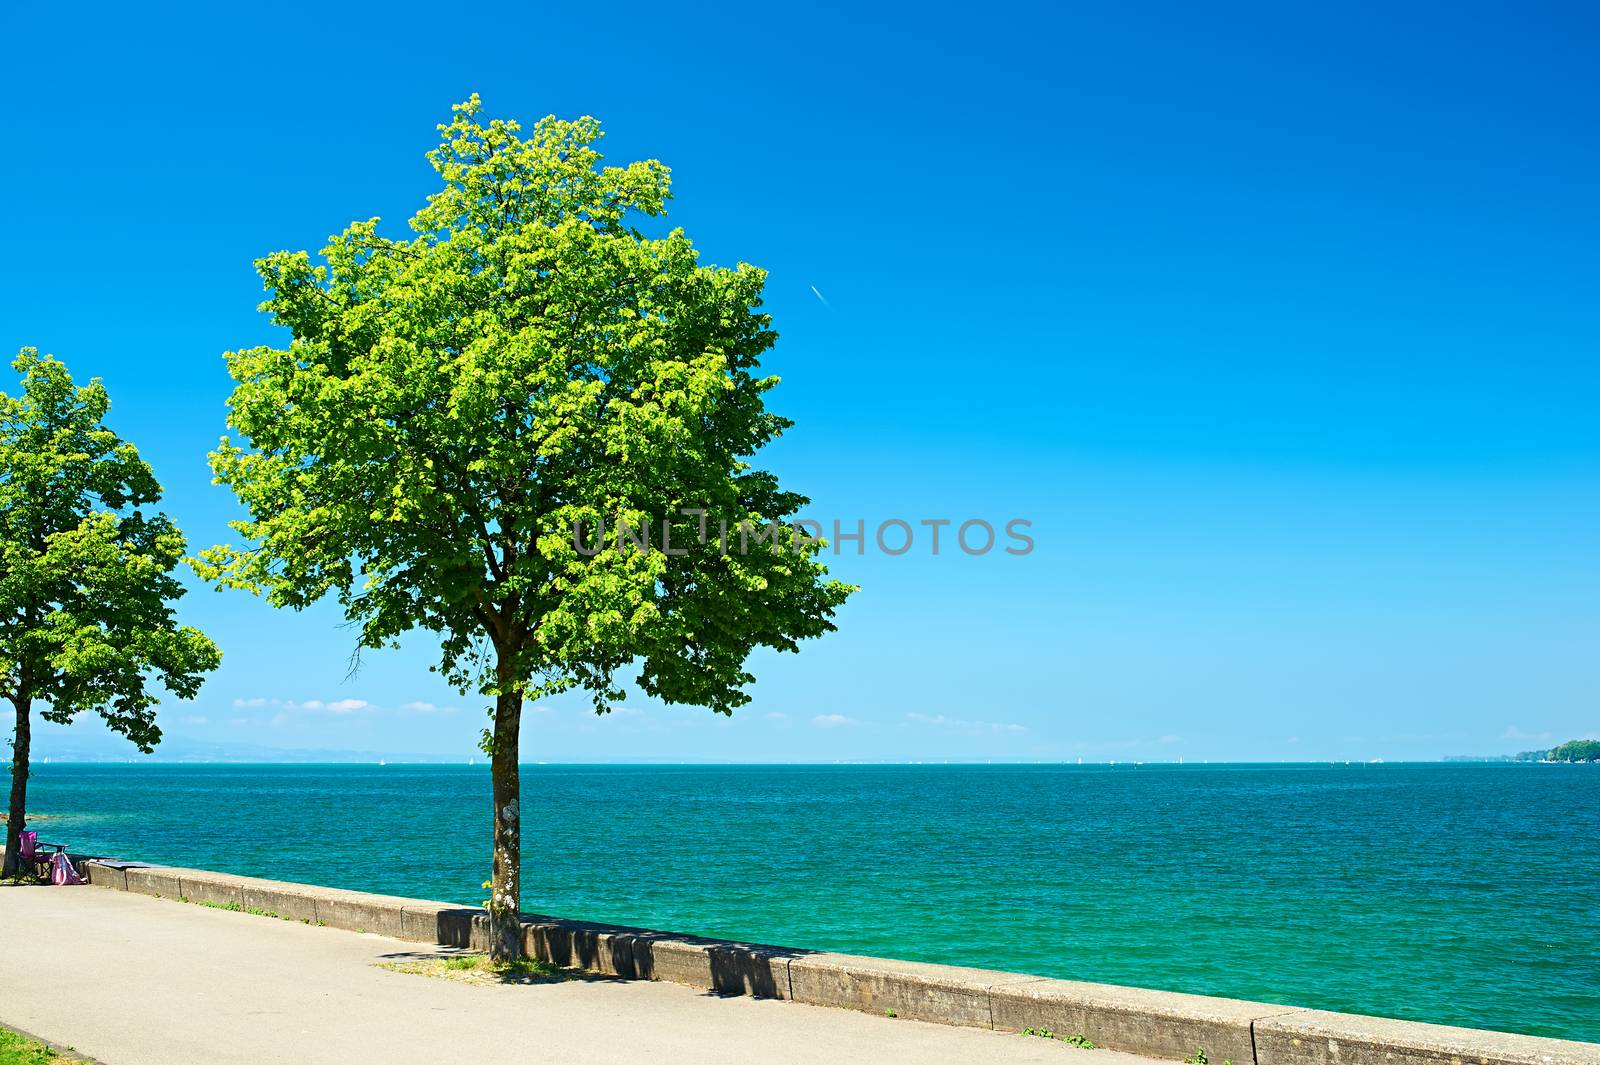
(401, 761)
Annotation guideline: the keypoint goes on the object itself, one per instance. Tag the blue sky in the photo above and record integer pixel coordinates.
(1279, 326)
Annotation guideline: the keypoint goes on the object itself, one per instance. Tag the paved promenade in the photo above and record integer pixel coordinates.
(133, 980)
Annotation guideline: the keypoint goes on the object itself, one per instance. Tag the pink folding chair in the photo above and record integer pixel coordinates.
(29, 849)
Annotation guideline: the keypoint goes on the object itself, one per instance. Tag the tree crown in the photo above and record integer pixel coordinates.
(452, 405)
(86, 570)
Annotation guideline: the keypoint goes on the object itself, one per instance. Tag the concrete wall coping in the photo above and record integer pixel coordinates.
(1325, 1037)
(1161, 1024)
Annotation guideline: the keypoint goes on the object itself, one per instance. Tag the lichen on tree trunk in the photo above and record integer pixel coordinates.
(505, 886)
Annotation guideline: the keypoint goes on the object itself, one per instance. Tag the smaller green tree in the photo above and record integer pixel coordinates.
(86, 582)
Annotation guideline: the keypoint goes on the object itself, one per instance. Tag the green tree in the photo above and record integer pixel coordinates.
(455, 404)
(1576, 751)
(86, 582)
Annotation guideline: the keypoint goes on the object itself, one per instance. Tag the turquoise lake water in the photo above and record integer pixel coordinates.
(1461, 894)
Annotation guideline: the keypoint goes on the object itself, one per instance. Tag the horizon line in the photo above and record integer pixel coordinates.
(381, 761)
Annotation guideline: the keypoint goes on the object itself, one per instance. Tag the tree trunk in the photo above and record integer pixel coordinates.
(505, 888)
(16, 816)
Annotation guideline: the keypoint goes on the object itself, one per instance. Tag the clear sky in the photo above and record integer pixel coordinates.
(1278, 323)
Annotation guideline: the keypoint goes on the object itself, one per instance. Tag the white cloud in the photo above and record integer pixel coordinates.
(1514, 733)
(777, 715)
(197, 719)
(963, 725)
(833, 721)
(1170, 738)
(337, 706)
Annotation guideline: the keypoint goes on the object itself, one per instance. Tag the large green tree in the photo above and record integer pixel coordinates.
(86, 573)
(455, 406)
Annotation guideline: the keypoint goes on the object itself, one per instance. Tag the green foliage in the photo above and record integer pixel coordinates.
(231, 907)
(235, 907)
(452, 404)
(523, 967)
(1199, 1058)
(1576, 751)
(86, 564)
(1077, 1039)
(19, 1050)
